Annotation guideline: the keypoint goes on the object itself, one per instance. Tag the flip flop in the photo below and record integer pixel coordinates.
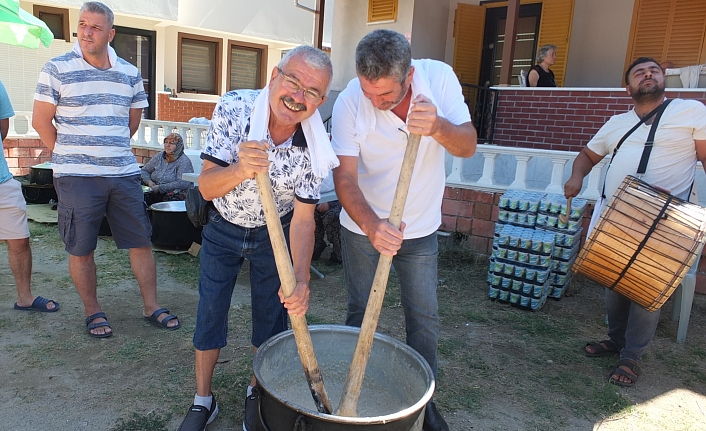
(599, 351)
(39, 304)
(91, 326)
(153, 319)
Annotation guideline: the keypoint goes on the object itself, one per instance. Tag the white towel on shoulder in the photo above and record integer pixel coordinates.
(323, 159)
(365, 118)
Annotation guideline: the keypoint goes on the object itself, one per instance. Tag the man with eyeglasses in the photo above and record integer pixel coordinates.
(393, 96)
(276, 130)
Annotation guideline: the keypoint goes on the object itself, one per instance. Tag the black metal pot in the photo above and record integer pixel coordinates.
(41, 174)
(34, 193)
(398, 383)
(171, 227)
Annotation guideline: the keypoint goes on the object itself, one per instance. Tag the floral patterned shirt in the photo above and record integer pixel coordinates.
(290, 163)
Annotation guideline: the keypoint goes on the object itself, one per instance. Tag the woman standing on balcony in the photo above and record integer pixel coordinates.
(540, 75)
(163, 172)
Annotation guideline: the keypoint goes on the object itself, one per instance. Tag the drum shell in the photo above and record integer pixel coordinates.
(643, 244)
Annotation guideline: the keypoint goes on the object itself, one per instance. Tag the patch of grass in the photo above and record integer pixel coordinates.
(130, 350)
(5, 323)
(112, 264)
(142, 422)
(182, 267)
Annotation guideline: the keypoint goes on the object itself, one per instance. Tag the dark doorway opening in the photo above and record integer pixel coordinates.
(138, 47)
(494, 42)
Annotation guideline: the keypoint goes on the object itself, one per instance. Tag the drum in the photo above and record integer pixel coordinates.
(643, 244)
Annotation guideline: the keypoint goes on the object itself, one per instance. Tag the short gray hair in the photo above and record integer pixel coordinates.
(383, 54)
(312, 57)
(99, 8)
(543, 51)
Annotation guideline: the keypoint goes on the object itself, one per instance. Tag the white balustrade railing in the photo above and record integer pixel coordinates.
(523, 171)
(21, 126)
(150, 134)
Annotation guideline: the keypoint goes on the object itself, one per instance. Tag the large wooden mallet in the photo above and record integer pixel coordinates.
(356, 373)
(289, 283)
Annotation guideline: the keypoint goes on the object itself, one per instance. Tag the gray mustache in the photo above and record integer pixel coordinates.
(292, 102)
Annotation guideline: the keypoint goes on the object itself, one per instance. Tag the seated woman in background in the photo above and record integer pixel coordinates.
(163, 172)
(540, 75)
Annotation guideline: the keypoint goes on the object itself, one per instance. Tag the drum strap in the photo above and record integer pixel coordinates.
(643, 242)
(648, 145)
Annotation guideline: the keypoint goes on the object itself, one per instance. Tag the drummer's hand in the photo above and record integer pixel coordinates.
(252, 158)
(573, 186)
(298, 301)
(386, 238)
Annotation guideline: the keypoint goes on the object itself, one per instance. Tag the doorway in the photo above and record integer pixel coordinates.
(138, 47)
(494, 42)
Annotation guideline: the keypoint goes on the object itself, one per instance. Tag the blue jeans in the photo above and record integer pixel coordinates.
(416, 267)
(631, 327)
(224, 246)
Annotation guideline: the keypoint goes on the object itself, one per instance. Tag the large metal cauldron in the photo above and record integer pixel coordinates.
(398, 383)
(171, 226)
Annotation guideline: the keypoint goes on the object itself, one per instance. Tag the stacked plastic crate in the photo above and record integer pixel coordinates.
(522, 256)
(533, 250)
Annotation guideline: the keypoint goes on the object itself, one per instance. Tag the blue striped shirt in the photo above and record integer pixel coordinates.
(92, 114)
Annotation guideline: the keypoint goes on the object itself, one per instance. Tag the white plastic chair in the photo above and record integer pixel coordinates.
(683, 299)
(523, 78)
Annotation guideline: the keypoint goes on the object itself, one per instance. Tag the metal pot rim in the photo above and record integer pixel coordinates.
(170, 207)
(416, 407)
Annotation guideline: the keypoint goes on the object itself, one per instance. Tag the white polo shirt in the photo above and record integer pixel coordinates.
(382, 151)
(673, 158)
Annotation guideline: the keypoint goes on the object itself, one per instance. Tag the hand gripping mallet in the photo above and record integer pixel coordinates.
(289, 283)
(354, 380)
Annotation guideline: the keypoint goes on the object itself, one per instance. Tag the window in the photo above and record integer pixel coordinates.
(247, 65)
(668, 30)
(56, 19)
(199, 64)
(382, 10)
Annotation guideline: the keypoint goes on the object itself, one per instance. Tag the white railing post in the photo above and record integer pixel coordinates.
(488, 169)
(520, 182)
(154, 135)
(12, 131)
(594, 178)
(456, 169)
(555, 185)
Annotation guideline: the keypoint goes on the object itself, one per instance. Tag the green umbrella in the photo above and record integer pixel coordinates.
(19, 27)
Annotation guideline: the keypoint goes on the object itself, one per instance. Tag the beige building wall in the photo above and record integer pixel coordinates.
(599, 43)
(350, 25)
(428, 29)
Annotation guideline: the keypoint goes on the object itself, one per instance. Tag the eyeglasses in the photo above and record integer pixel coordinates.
(291, 84)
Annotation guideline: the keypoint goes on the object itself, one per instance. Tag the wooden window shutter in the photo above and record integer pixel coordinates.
(382, 10)
(555, 29)
(668, 30)
(469, 26)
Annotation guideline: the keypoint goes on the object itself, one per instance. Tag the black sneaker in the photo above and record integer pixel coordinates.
(433, 421)
(251, 421)
(199, 416)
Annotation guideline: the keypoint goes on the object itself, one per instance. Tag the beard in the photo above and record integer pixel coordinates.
(649, 94)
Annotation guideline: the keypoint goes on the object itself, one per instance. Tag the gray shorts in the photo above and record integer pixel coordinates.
(13, 214)
(83, 201)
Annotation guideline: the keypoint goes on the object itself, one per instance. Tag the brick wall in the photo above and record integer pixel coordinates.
(25, 152)
(21, 153)
(182, 110)
(560, 119)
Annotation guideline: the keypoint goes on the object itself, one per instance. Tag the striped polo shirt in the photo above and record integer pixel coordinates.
(92, 114)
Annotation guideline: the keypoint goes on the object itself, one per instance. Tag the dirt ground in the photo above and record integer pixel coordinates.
(501, 368)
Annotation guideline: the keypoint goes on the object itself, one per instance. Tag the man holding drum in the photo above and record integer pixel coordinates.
(679, 142)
